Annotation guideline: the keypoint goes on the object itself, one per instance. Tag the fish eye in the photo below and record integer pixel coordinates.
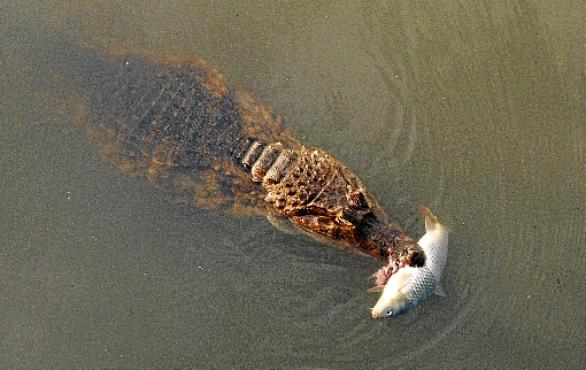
(389, 313)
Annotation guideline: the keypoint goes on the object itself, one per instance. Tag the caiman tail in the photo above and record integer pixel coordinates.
(177, 123)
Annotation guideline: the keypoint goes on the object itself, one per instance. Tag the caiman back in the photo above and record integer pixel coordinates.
(177, 123)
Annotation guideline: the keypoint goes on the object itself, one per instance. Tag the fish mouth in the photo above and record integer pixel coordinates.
(376, 316)
(382, 314)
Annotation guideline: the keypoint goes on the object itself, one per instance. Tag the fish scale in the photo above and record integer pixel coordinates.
(423, 285)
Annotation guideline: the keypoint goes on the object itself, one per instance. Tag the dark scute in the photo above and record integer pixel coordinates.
(418, 259)
(171, 106)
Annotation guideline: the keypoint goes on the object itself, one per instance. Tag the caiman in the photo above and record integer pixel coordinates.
(176, 122)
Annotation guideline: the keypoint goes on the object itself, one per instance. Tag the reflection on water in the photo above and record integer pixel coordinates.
(474, 109)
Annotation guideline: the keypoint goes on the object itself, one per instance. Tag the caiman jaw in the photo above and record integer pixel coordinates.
(407, 260)
(414, 257)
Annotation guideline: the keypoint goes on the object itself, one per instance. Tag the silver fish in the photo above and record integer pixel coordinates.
(409, 286)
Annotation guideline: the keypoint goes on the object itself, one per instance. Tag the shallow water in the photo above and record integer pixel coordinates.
(474, 108)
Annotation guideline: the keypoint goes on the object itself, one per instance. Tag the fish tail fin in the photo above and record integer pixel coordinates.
(431, 221)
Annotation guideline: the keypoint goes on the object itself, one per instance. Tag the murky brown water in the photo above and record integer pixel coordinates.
(475, 108)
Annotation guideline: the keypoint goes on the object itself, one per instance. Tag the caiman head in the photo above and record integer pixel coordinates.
(322, 196)
(378, 234)
(388, 240)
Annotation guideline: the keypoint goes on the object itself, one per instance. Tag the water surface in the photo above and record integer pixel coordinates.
(474, 108)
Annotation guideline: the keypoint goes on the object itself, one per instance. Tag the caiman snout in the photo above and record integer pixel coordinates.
(415, 256)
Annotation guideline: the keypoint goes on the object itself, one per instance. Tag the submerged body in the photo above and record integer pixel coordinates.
(409, 286)
(176, 122)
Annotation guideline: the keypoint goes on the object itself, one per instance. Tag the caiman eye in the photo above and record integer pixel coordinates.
(418, 259)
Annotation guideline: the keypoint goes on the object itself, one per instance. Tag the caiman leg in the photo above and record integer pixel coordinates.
(283, 224)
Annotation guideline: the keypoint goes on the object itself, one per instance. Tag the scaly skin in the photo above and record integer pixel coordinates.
(176, 121)
(321, 195)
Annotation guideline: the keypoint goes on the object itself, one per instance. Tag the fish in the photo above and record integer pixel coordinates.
(407, 287)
